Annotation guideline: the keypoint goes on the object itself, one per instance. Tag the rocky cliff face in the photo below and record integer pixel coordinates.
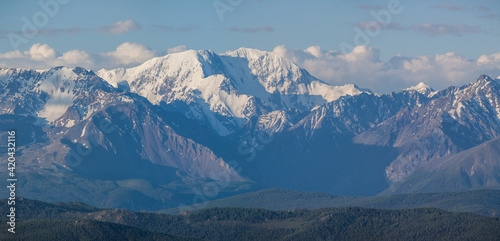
(89, 125)
(401, 130)
(474, 168)
(453, 120)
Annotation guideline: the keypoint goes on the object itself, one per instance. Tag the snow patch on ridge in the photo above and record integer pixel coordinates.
(457, 111)
(60, 89)
(273, 122)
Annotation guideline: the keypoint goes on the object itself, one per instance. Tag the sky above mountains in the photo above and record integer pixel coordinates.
(381, 45)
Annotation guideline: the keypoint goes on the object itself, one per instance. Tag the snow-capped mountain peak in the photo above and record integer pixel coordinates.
(225, 90)
(247, 53)
(422, 88)
(484, 77)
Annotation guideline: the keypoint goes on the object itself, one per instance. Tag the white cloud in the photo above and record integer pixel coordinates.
(42, 56)
(129, 54)
(177, 49)
(11, 55)
(119, 27)
(42, 52)
(363, 67)
(75, 58)
(489, 60)
(313, 50)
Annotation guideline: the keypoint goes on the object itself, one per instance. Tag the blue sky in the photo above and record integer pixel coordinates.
(469, 29)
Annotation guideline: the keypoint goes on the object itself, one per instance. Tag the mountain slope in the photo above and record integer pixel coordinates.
(317, 153)
(92, 116)
(455, 119)
(225, 91)
(359, 145)
(71, 122)
(477, 167)
(49, 94)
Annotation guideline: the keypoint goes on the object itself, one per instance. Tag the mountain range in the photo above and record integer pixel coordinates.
(157, 135)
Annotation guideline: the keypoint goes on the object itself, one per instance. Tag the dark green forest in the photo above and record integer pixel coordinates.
(482, 201)
(84, 230)
(74, 221)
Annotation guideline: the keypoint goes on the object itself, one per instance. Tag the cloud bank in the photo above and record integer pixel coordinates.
(43, 56)
(362, 66)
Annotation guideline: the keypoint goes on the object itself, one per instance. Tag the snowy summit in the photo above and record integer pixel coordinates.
(226, 90)
(422, 88)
